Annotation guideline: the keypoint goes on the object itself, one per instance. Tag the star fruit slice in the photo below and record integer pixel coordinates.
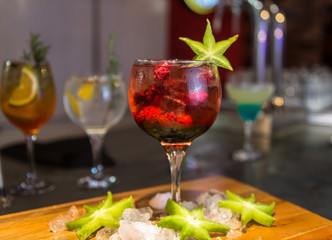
(103, 215)
(190, 223)
(249, 210)
(211, 50)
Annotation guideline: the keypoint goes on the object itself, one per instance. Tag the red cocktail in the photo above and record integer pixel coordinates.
(174, 101)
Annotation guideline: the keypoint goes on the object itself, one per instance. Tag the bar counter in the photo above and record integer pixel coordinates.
(296, 167)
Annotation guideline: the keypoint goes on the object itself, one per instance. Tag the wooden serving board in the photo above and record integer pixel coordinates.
(292, 222)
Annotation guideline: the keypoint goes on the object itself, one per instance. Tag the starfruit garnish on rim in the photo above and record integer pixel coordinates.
(190, 224)
(249, 210)
(106, 214)
(211, 50)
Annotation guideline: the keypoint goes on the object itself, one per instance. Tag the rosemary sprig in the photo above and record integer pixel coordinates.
(113, 62)
(37, 51)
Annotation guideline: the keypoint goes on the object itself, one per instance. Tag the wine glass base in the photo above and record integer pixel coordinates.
(246, 156)
(5, 201)
(32, 187)
(90, 182)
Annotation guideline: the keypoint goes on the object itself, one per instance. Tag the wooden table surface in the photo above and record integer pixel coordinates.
(292, 222)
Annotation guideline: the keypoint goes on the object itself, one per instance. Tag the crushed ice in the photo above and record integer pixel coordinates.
(58, 224)
(159, 200)
(136, 224)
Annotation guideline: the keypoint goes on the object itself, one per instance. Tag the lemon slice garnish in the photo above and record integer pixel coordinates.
(26, 91)
(86, 91)
(73, 103)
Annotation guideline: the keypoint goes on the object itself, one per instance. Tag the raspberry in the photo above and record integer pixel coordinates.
(208, 76)
(162, 71)
(197, 97)
(150, 113)
(147, 97)
(185, 119)
(154, 114)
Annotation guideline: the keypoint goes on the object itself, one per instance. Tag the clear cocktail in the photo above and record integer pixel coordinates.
(96, 103)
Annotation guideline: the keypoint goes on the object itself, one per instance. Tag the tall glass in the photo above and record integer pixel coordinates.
(28, 101)
(174, 101)
(95, 103)
(249, 97)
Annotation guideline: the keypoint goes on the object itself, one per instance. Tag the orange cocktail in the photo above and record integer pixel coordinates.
(29, 115)
(28, 100)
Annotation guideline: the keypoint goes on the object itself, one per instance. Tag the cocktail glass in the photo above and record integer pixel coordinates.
(95, 103)
(5, 198)
(249, 97)
(174, 101)
(28, 101)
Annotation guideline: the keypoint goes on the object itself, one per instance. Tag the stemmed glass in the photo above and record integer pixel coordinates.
(28, 101)
(174, 101)
(249, 97)
(95, 103)
(5, 199)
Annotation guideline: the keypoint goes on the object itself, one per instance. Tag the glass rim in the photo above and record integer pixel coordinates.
(8, 62)
(179, 61)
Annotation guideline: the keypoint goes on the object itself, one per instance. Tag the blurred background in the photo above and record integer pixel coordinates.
(78, 33)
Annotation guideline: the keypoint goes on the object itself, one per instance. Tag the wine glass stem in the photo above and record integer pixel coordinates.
(30, 145)
(96, 141)
(175, 154)
(2, 185)
(247, 145)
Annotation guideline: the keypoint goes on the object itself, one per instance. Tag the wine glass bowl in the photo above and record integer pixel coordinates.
(249, 97)
(28, 102)
(95, 103)
(174, 101)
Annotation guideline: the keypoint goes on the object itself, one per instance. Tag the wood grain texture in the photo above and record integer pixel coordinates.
(292, 222)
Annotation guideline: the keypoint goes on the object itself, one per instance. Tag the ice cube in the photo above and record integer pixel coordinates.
(189, 205)
(234, 234)
(137, 215)
(58, 224)
(146, 213)
(213, 201)
(202, 198)
(213, 212)
(234, 223)
(115, 236)
(168, 234)
(174, 103)
(219, 215)
(105, 233)
(136, 230)
(159, 200)
(210, 199)
(73, 213)
(145, 231)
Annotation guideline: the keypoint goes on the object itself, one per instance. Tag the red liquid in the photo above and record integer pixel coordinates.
(173, 103)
